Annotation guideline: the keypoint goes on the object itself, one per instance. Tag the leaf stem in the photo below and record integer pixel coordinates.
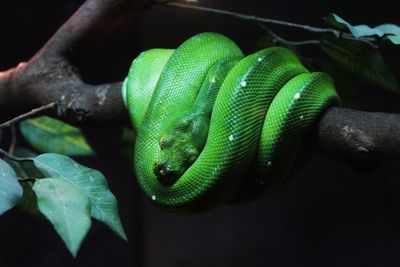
(12, 157)
(28, 114)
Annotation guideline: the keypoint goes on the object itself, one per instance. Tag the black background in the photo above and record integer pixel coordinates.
(333, 215)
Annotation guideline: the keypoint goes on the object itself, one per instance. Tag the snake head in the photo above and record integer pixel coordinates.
(180, 146)
(174, 160)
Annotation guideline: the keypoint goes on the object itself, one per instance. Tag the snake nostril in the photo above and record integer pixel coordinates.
(165, 174)
(160, 168)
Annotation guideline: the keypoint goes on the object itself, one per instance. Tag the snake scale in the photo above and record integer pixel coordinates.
(214, 126)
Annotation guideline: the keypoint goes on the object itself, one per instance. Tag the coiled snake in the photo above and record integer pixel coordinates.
(214, 126)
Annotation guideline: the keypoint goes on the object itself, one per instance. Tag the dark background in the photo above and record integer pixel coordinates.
(333, 215)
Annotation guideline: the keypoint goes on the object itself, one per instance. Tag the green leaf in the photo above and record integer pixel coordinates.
(91, 182)
(361, 60)
(67, 208)
(10, 189)
(50, 135)
(394, 39)
(391, 31)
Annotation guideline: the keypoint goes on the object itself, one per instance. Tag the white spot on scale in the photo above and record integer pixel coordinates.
(153, 197)
(297, 96)
(259, 59)
(301, 117)
(212, 80)
(243, 83)
(269, 163)
(231, 138)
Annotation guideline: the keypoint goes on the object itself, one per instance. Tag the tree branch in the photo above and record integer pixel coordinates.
(358, 135)
(50, 77)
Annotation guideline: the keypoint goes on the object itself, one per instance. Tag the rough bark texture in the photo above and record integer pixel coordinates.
(352, 134)
(50, 77)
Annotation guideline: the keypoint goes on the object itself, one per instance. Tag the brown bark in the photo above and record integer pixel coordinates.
(50, 77)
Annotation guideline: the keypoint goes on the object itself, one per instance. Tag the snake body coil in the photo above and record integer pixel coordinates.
(214, 126)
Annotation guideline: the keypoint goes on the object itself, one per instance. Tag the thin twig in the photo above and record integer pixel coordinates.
(28, 114)
(366, 40)
(14, 158)
(285, 41)
(255, 18)
(337, 33)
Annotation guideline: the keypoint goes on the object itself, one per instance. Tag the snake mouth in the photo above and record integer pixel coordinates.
(165, 174)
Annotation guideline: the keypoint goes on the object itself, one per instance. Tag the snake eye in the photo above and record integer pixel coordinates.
(166, 142)
(185, 125)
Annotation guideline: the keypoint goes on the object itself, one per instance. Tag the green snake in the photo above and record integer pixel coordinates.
(214, 126)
